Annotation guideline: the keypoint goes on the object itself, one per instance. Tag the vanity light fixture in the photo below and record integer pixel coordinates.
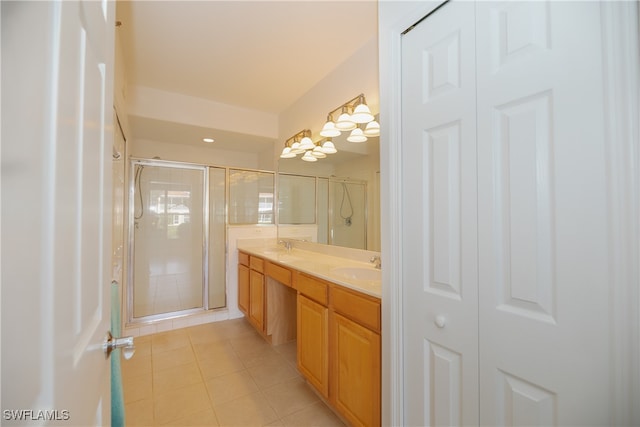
(301, 143)
(352, 113)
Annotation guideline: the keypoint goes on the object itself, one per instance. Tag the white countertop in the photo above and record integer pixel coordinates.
(331, 268)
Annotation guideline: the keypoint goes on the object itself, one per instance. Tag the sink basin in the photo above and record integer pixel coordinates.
(358, 273)
(288, 258)
(275, 252)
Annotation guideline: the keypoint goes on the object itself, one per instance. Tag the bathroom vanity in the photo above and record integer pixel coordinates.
(331, 306)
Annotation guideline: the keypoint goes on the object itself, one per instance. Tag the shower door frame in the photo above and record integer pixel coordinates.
(131, 241)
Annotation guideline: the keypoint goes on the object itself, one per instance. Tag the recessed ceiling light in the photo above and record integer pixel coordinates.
(208, 139)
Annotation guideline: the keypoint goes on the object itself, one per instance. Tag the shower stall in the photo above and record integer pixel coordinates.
(177, 239)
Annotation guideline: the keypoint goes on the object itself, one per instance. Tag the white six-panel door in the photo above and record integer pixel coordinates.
(544, 295)
(504, 220)
(439, 218)
(56, 165)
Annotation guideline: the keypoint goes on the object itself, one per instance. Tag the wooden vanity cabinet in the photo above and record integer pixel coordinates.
(355, 362)
(337, 331)
(243, 288)
(252, 289)
(313, 332)
(243, 282)
(265, 296)
(257, 299)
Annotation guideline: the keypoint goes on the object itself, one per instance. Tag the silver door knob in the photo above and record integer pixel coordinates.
(440, 321)
(125, 343)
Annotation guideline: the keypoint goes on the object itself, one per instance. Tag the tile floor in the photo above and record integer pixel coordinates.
(218, 374)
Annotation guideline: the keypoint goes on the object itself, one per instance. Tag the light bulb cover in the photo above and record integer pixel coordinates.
(287, 153)
(308, 157)
(317, 151)
(306, 143)
(372, 129)
(345, 123)
(357, 136)
(362, 114)
(328, 147)
(329, 129)
(295, 148)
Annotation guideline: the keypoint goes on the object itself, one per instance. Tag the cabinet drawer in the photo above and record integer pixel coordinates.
(313, 288)
(256, 263)
(358, 307)
(243, 258)
(281, 274)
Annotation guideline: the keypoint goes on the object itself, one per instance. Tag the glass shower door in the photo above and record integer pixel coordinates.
(168, 248)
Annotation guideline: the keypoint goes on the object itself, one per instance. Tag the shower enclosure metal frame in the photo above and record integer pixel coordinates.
(205, 242)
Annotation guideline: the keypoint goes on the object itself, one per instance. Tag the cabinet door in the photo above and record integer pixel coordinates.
(355, 371)
(243, 288)
(313, 337)
(256, 299)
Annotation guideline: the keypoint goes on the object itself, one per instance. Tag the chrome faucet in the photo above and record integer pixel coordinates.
(376, 261)
(287, 244)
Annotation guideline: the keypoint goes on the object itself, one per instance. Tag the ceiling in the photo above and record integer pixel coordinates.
(261, 55)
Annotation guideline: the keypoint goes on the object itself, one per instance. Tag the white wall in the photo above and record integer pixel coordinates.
(174, 107)
(203, 154)
(356, 75)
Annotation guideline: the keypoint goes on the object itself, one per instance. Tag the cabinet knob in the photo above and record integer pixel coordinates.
(440, 321)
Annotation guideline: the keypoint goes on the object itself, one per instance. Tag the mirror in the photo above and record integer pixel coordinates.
(345, 187)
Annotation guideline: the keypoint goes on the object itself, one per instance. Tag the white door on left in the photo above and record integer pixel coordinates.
(57, 60)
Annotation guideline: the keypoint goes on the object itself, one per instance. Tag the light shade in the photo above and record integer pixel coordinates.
(295, 148)
(345, 123)
(372, 129)
(357, 136)
(328, 147)
(317, 152)
(306, 143)
(308, 157)
(362, 114)
(329, 129)
(287, 153)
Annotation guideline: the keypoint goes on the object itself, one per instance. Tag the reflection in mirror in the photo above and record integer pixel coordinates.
(251, 197)
(296, 199)
(347, 213)
(347, 205)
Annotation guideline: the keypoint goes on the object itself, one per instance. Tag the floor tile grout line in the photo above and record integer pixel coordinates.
(215, 414)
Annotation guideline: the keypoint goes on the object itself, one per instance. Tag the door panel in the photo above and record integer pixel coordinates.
(313, 348)
(439, 218)
(58, 58)
(544, 317)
